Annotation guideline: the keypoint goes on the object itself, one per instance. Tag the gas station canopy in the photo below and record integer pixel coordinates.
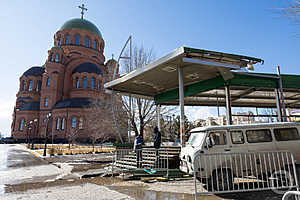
(205, 74)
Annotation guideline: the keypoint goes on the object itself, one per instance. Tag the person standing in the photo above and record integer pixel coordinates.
(157, 143)
(138, 150)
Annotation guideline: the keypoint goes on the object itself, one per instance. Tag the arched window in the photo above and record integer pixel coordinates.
(77, 82)
(99, 85)
(63, 123)
(84, 82)
(38, 86)
(93, 83)
(77, 37)
(58, 123)
(57, 58)
(67, 39)
(46, 102)
(80, 124)
(48, 82)
(51, 58)
(59, 40)
(23, 86)
(95, 44)
(21, 125)
(74, 119)
(87, 41)
(30, 85)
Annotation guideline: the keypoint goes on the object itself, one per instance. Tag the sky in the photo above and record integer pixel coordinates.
(248, 27)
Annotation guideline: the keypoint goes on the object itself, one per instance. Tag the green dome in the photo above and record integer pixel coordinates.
(81, 24)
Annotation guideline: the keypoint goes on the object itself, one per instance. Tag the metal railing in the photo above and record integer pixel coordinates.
(142, 158)
(155, 158)
(244, 171)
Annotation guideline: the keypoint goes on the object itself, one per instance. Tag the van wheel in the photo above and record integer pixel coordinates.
(222, 180)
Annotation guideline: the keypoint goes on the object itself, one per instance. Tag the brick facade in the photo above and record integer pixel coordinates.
(74, 72)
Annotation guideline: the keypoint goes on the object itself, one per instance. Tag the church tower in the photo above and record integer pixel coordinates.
(71, 78)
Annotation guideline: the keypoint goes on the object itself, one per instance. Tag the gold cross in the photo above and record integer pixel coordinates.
(82, 10)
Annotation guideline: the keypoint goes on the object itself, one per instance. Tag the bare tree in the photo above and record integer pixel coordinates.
(99, 126)
(293, 10)
(72, 135)
(141, 112)
(187, 127)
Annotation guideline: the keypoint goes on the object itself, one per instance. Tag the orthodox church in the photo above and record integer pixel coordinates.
(63, 88)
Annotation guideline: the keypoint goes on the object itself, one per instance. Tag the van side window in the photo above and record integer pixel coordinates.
(285, 134)
(218, 138)
(237, 137)
(257, 136)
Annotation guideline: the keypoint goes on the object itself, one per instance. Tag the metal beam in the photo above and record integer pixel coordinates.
(248, 91)
(210, 63)
(293, 103)
(228, 105)
(181, 104)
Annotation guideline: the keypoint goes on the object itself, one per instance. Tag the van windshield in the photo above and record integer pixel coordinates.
(196, 139)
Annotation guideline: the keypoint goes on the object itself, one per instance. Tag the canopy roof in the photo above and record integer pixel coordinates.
(246, 89)
(205, 73)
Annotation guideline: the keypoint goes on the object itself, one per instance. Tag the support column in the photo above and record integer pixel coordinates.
(284, 118)
(181, 104)
(129, 119)
(158, 117)
(278, 105)
(228, 105)
(218, 108)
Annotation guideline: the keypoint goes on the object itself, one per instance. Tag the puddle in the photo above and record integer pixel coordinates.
(141, 193)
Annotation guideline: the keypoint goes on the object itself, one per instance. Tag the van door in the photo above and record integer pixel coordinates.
(218, 141)
(260, 140)
(288, 139)
(218, 144)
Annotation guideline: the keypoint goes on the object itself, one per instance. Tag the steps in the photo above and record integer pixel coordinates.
(168, 158)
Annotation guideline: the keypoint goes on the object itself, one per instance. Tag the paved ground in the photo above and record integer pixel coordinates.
(26, 177)
(78, 192)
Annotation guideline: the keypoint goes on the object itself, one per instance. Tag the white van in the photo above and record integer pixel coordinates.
(241, 138)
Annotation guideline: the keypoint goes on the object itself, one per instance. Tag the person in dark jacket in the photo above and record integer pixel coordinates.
(157, 143)
(157, 138)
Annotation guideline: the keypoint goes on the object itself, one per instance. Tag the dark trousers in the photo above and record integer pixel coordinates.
(156, 157)
(139, 158)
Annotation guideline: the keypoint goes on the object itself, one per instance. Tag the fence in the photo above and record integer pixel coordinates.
(159, 159)
(244, 171)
